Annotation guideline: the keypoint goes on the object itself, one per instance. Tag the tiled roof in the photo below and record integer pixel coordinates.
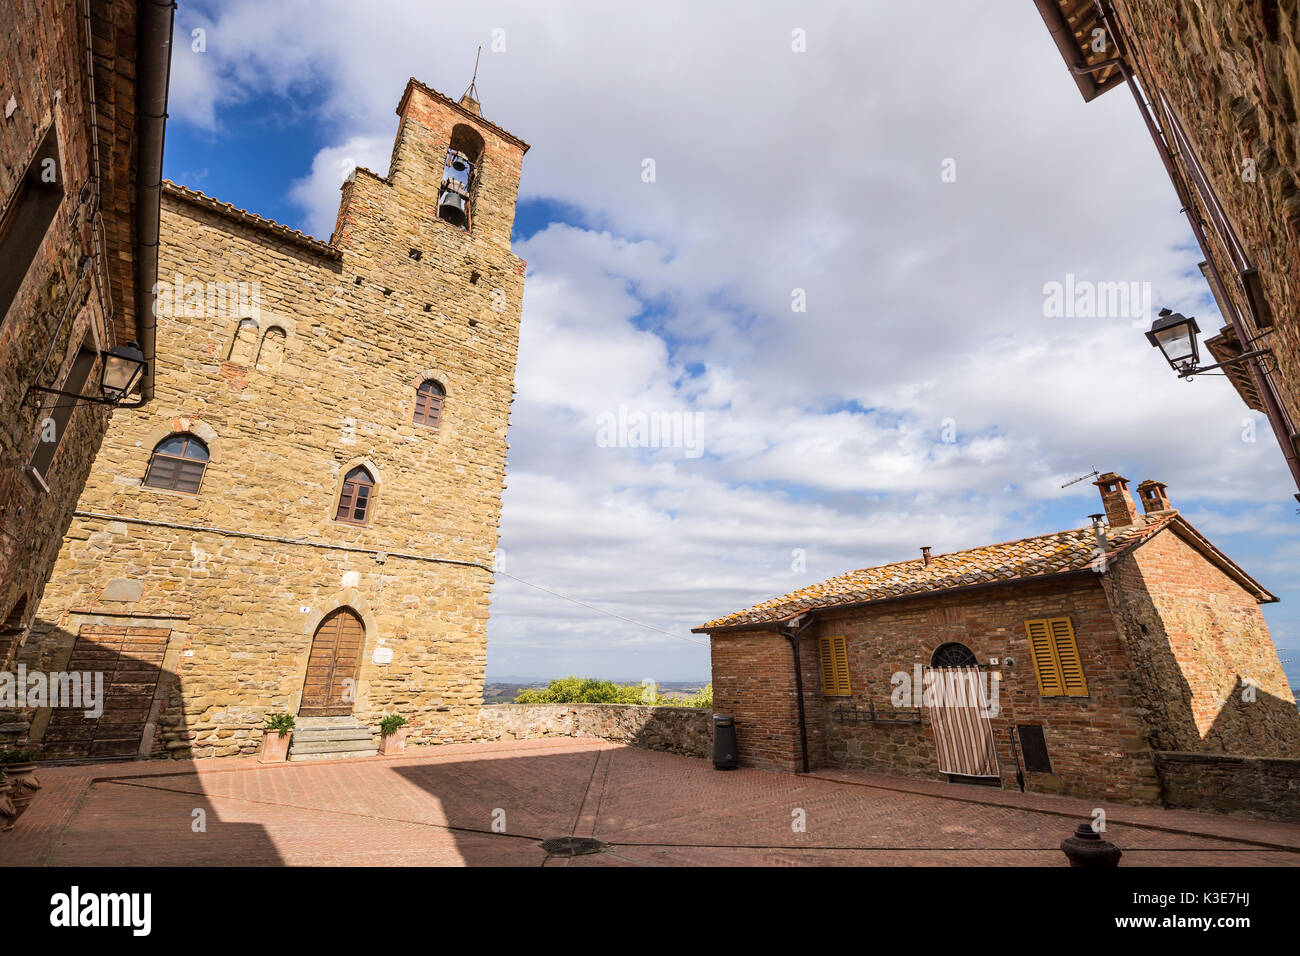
(1023, 560)
(249, 218)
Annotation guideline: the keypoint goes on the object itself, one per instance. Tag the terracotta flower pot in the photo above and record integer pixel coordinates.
(22, 783)
(393, 743)
(275, 746)
(9, 814)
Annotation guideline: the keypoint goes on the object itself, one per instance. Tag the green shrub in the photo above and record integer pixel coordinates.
(280, 722)
(591, 690)
(389, 724)
(17, 755)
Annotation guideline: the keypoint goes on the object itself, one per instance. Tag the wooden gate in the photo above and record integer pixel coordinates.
(959, 716)
(330, 687)
(130, 658)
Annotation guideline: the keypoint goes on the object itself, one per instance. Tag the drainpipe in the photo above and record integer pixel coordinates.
(153, 65)
(1263, 383)
(793, 635)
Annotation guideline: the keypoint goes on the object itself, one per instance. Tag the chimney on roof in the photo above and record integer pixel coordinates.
(1099, 533)
(471, 104)
(925, 556)
(1152, 494)
(1120, 510)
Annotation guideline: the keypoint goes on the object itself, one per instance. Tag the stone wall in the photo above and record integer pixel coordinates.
(55, 310)
(1202, 658)
(1267, 788)
(339, 337)
(679, 730)
(1231, 74)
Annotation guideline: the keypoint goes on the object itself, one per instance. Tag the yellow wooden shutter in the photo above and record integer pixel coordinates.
(1050, 683)
(835, 667)
(1056, 658)
(1067, 657)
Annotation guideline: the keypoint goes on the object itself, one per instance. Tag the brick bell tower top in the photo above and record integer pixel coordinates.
(450, 167)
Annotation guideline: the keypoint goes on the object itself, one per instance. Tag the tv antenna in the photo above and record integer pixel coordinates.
(1075, 481)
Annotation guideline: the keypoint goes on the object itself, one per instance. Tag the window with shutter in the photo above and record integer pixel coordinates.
(835, 667)
(177, 464)
(1056, 658)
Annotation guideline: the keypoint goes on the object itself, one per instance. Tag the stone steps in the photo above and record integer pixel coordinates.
(324, 738)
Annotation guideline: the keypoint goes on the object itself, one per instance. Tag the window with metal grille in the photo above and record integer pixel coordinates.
(835, 667)
(953, 655)
(428, 403)
(356, 496)
(177, 464)
(1056, 658)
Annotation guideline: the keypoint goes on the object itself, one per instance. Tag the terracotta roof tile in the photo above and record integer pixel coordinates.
(1028, 558)
(249, 218)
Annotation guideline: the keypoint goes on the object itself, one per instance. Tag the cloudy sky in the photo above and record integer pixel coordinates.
(834, 283)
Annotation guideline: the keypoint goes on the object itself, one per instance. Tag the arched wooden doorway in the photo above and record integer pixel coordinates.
(330, 687)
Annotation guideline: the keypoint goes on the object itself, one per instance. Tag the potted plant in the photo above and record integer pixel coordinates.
(19, 766)
(8, 814)
(275, 738)
(393, 729)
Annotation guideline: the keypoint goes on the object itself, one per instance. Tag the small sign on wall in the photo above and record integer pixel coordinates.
(382, 655)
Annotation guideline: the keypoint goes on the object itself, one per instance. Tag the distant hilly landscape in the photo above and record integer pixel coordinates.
(504, 690)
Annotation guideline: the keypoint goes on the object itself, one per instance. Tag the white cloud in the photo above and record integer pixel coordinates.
(779, 171)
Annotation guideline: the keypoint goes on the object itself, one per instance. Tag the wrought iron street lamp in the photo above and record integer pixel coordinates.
(121, 369)
(1175, 335)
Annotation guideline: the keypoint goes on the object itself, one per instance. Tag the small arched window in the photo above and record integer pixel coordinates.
(355, 498)
(428, 403)
(177, 464)
(953, 655)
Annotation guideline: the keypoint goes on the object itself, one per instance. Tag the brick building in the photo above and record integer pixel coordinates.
(306, 518)
(1218, 85)
(1090, 652)
(83, 89)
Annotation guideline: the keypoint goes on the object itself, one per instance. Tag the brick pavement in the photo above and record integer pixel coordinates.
(439, 805)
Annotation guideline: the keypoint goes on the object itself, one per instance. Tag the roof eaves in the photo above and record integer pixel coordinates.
(254, 221)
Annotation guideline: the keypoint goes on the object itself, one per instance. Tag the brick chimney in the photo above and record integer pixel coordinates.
(1153, 497)
(1120, 510)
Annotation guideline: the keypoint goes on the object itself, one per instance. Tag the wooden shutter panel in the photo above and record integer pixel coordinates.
(835, 667)
(1050, 683)
(1067, 657)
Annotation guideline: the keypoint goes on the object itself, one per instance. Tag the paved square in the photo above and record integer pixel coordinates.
(492, 804)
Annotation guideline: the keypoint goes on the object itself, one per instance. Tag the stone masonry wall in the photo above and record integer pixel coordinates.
(1198, 640)
(1267, 788)
(43, 70)
(679, 730)
(1231, 72)
(354, 329)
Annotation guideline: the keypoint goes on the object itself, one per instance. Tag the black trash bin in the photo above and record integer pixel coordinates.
(724, 743)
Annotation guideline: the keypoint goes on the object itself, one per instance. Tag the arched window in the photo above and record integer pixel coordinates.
(356, 496)
(953, 655)
(271, 353)
(459, 176)
(177, 464)
(428, 403)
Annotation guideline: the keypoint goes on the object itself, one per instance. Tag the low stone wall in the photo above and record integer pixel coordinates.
(1267, 788)
(679, 730)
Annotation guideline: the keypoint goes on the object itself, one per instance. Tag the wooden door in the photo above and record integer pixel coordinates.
(130, 659)
(330, 687)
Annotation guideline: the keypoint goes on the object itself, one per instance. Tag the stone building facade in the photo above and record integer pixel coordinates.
(305, 521)
(1156, 644)
(1218, 85)
(73, 138)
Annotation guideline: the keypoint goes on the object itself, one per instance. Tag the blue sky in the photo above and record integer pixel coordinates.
(777, 171)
